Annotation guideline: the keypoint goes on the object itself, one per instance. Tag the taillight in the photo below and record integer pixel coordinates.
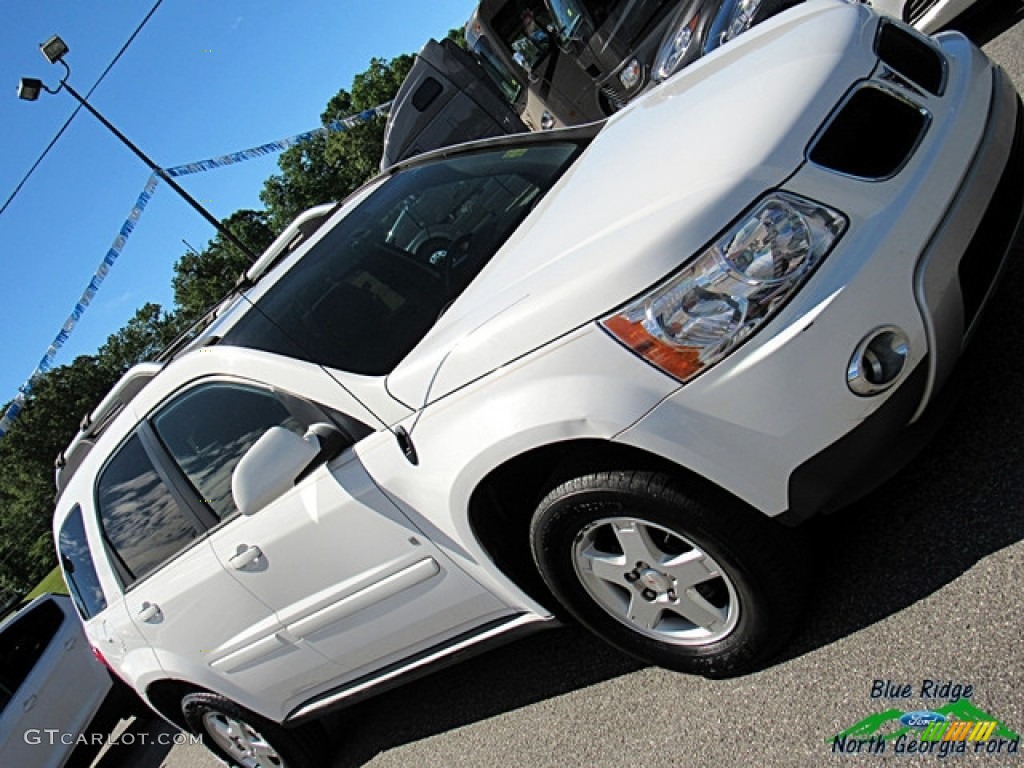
(101, 658)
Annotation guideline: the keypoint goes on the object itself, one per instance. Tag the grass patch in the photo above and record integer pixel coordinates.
(52, 582)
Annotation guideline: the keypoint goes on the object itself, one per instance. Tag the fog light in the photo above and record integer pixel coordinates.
(878, 361)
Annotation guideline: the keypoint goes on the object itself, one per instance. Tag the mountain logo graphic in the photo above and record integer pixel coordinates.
(956, 721)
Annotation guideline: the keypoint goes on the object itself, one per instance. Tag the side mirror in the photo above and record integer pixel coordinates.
(278, 460)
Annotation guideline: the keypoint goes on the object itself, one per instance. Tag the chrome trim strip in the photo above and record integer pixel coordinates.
(371, 595)
(254, 653)
(421, 663)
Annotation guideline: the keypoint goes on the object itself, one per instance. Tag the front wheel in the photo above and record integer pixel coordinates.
(246, 740)
(691, 581)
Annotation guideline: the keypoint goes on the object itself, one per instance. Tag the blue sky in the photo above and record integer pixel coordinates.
(202, 79)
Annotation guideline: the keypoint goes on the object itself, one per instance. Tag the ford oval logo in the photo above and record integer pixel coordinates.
(922, 718)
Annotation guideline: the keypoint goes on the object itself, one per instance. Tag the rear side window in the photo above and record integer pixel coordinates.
(426, 93)
(23, 642)
(79, 571)
(142, 522)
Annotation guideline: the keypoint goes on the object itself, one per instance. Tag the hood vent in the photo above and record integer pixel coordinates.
(911, 56)
(872, 136)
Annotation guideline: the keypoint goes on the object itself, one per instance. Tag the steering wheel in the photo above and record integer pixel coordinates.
(434, 250)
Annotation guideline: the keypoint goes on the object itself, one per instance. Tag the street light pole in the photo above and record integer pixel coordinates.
(224, 231)
(54, 50)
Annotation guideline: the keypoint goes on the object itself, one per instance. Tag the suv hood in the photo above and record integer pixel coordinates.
(658, 183)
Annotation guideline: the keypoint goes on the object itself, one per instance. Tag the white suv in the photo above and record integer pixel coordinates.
(599, 369)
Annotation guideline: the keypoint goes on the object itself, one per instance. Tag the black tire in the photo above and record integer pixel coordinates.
(748, 600)
(240, 730)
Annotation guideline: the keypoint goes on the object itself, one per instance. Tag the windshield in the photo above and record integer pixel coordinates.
(527, 30)
(495, 68)
(567, 15)
(366, 293)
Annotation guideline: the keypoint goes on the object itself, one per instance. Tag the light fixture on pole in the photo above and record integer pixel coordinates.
(54, 49)
(29, 89)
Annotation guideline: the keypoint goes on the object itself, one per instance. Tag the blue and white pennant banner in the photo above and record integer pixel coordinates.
(279, 146)
(46, 363)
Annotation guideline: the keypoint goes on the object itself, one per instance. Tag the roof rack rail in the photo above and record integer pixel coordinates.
(96, 421)
(93, 424)
(190, 334)
(304, 225)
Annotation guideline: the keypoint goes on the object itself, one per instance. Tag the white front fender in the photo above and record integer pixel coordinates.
(584, 385)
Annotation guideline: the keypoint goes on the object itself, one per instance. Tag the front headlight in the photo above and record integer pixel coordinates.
(672, 50)
(699, 315)
(631, 74)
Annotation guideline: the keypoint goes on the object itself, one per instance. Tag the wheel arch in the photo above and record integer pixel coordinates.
(501, 505)
(165, 697)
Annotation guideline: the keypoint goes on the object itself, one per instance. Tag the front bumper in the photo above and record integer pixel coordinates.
(954, 284)
(775, 424)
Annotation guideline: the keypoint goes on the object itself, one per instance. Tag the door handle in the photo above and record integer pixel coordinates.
(246, 556)
(149, 612)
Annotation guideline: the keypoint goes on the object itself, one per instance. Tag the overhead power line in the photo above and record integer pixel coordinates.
(67, 122)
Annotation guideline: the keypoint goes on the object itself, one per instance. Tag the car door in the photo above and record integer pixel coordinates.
(50, 685)
(347, 574)
(188, 608)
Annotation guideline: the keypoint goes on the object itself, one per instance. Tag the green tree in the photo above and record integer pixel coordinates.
(458, 34)
(149, 331)
(306, 179)
(202, 279)
(330, 167)
(47, 423)
(358, 150)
